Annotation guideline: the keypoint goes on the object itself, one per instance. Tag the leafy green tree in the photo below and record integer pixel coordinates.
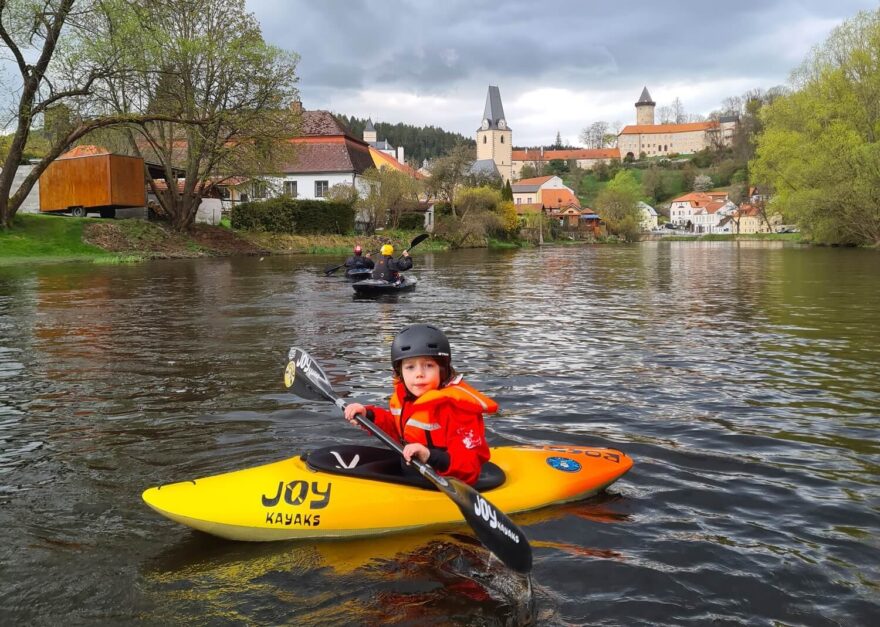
(225, 94)
(617, 205)
(652, 183)
(819, 149)
(450, 172)
(389, 193)
(557, 166)
(49, 45)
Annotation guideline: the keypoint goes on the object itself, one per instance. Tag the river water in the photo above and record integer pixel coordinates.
(742, 378)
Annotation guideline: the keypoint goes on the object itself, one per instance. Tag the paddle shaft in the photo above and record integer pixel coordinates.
(423, 468)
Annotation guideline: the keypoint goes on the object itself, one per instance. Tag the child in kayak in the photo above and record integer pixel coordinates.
(437, 417)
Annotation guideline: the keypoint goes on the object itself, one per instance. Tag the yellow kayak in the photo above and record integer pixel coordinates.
(349, 491)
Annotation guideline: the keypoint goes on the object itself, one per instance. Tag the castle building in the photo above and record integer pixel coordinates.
(652, 140)
(494, 139)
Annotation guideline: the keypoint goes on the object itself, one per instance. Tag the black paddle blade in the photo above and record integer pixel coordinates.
(304, 377)
(331, 269)
(494, 529)
(418, 239)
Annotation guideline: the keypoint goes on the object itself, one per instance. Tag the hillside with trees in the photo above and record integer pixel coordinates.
(419, 142)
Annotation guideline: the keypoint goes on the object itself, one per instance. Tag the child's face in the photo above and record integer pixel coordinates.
(420, 374)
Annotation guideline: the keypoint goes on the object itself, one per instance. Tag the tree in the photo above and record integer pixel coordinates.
(448, 172)
(558, 144)
(820, 148)
(678, 113)
(617, 204)
(595, 135)
(557, 166)
(48, 42)
(389, 192)
(507, 192)
(702, 183)
(223, 92)
(652, 183)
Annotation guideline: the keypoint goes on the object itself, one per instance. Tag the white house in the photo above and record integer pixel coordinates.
(683, 209)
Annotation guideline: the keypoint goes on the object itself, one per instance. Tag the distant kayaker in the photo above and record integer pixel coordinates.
(359, 260)
(437, 417)
(388, 268)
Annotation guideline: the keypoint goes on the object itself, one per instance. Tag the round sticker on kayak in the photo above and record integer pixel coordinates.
(289, 374)
(564, 464)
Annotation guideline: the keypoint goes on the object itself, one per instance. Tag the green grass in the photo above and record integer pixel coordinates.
(46, 238)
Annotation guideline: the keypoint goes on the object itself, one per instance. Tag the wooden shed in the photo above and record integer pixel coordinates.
(89, 178)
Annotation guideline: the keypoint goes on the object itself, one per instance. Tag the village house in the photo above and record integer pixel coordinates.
(531, 190)
(652, 140)
(684, 209)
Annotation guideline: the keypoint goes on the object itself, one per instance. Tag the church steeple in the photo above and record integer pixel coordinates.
(493, 112)
(494, 137)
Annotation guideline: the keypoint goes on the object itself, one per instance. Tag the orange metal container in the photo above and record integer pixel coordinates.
(93, 182)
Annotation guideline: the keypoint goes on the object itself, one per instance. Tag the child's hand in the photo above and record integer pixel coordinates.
(419, 451)
(351, 410)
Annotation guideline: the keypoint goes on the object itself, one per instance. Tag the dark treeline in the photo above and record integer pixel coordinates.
(419, 142)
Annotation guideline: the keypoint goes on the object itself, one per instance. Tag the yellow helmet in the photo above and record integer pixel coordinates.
(387, 250)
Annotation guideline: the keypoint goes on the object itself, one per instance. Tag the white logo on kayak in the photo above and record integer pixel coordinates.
(488, 513)
(342, 464)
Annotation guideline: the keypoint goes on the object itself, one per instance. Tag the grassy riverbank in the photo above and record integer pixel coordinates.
(42, 238)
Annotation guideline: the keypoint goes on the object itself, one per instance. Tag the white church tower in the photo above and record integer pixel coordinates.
(494, 137)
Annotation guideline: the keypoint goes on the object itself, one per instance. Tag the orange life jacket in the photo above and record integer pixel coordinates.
(420, 421)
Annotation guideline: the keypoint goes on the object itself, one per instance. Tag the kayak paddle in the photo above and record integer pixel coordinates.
(305, 378)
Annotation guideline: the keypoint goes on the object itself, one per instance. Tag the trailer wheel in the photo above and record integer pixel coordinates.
(78, 212)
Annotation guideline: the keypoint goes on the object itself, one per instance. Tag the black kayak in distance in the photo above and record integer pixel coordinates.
(376, 287)
(358, 274)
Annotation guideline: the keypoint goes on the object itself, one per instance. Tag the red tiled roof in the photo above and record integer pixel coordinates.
(555, 198)
(329, 154)
(697, 199)
(534, 154)
(538, 180)
(655, 129)
(321, 123)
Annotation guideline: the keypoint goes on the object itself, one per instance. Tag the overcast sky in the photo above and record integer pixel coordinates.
(560, 64)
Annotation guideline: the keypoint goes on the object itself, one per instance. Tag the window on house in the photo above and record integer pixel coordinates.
(484, 139)
(290, 188)
(502, 139)
(519, 201)
(321, 188)
(259, 189)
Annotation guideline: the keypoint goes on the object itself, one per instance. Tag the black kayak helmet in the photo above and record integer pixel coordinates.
(419, 340)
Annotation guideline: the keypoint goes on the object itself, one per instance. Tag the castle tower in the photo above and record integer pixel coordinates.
(645, 109)
(370, 132)
(494, 137)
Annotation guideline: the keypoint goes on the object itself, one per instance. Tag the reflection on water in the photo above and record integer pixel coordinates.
(741, 377)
